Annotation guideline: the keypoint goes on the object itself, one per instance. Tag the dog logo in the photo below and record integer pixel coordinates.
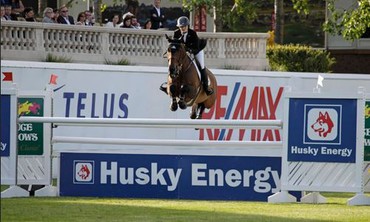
(323, 124)
(84, 172)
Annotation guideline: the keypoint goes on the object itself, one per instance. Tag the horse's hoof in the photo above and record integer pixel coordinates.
(199, 117)
(173, 107)
(182, 104)
(193, 116)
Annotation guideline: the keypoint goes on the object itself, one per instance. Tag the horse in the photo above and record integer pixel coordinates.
(184, 83)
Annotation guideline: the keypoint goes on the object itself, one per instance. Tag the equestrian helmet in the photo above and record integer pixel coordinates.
(183, 21)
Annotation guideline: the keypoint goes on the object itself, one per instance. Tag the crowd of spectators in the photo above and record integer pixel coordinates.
(15, 10)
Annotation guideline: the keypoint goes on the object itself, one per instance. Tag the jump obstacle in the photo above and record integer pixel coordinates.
(297, 174)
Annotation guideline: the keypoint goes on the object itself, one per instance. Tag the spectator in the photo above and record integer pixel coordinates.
(114, 23)
(3, 13)
(134, 23)
(8, 13)
(157, 16)
(48, 15)
(148, 24)
(64, 18)
(81, 18)
(127, 22)
(90, 20)
(29, 14)
(56, 15)
(17, 7)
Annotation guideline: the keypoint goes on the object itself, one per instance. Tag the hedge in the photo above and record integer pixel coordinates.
(299, 58)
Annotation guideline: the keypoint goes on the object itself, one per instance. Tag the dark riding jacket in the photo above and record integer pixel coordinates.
(193, 43)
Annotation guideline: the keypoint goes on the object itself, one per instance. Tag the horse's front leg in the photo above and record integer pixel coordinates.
(200, 110)
(184, 89)
(193, 112)
(173, 106)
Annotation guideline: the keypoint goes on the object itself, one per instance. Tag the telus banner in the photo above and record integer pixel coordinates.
(169, 176)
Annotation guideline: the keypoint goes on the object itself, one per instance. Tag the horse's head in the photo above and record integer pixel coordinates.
(175, 55)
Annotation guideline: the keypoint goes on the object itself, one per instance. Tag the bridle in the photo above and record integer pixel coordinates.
(174, 71)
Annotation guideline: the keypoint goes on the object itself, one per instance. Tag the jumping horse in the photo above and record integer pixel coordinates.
(184, 83)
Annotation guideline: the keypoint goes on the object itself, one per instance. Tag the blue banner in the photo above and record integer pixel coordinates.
(322, 130)
(5, 125)
(169, 176)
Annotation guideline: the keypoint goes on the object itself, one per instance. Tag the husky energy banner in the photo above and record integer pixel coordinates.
(30, 135)
(322, 130)
(5, 125)
(169, 176)
(367, 132)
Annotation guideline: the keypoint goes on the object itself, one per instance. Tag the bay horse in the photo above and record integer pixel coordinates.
(184, 84)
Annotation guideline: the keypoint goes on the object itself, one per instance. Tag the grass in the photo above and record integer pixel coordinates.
(122, 62)
(148, 210)
(59, 59)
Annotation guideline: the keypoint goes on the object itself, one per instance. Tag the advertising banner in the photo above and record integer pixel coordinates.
(367, 132)
(169, 176)
(5, 125)
(30, 135)
(322, 130)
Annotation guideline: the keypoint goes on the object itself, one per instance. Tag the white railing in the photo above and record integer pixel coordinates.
(157, 123)
(33, 41)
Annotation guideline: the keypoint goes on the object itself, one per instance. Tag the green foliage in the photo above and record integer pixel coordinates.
(350, 23)
(232, 67)
(59, 59)
(301, 6)
(121, 62)
(299, 58)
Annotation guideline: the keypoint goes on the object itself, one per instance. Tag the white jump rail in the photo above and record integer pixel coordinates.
(158, 123)
(163, 123)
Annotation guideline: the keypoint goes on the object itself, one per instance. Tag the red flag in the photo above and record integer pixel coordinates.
(8, 76)
(53, 79)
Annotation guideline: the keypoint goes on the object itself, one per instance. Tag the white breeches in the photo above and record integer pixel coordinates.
(200, 58)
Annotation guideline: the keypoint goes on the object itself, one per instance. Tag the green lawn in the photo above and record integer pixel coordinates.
(114, 209)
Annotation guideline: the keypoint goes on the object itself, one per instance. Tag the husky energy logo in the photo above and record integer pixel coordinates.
(245, 103)
(83, 172)
(322, 123)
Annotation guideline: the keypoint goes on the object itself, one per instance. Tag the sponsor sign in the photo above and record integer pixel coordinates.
(5, 125)
(322, 130)
(367, 132)
(169, 176)
(30, 135)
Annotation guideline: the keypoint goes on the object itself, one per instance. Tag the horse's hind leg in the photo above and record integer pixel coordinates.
(200, 110)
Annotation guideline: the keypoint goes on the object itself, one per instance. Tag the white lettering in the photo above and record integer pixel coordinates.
(304, 150)
(142, 176)
(25, 127)
(174, 178)
(233, 178)
(336, 151)
(157, 175)
(196, 174)
(3, 146)
(105, 172)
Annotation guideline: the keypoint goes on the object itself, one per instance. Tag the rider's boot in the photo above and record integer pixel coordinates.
(204, 80)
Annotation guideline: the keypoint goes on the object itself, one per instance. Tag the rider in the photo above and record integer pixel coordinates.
(193, 45)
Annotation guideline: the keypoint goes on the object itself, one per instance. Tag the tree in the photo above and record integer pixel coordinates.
(213, 7)
(279, 15)
(349, 23)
